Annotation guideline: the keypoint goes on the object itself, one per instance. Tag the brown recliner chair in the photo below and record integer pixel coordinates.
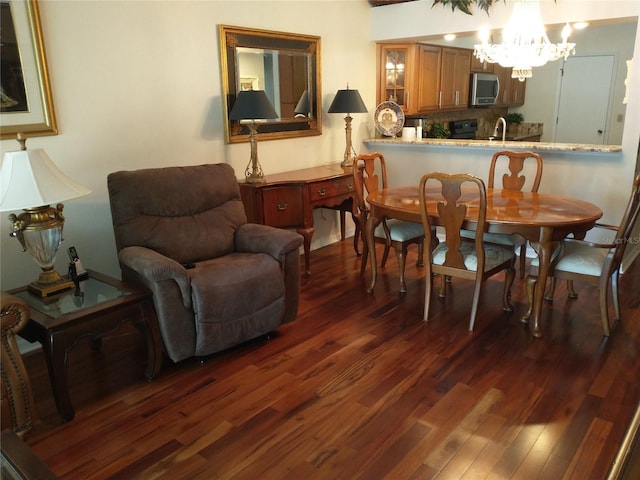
(17, 399)
(217, 281)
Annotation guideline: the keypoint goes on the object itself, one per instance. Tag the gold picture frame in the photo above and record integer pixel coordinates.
(27, 103)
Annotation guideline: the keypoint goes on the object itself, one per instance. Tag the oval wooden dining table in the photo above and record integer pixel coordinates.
(543, 219)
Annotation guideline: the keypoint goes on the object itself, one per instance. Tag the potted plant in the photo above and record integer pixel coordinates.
(438, 130)
(513, 120)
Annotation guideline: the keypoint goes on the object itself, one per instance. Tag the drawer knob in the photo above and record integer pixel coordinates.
(349, 186)
(322, 192)
(281, 206)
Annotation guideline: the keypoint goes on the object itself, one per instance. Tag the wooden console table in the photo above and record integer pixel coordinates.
(287, 200)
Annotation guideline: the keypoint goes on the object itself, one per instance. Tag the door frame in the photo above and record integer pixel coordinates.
(612, 84)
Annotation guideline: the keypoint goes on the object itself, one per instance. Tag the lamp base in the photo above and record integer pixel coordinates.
(47, 289)
(347, 163)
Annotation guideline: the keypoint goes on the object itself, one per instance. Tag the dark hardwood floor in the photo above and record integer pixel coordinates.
(360, 388)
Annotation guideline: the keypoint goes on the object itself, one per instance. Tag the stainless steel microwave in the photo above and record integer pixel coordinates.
(485, 88)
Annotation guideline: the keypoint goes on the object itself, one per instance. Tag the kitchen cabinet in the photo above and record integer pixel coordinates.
(518, 89)
(454, 78)
(480, 67)
(397, 74)
(423, 78)
(512, 90)
(429, 67)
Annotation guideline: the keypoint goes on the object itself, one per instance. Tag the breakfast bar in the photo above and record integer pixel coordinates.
(373, 143)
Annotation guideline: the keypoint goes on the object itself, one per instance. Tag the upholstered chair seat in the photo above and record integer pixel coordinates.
(494, 255)
(579, 258)
(399, 230)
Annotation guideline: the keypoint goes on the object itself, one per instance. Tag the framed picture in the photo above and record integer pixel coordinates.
(26, 104)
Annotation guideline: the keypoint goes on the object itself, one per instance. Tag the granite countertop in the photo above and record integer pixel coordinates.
(515, 140)
(447, 142)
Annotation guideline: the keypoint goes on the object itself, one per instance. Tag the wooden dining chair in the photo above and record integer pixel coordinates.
(513, 180)
(370, 175)
(477, 260)
(594, 263)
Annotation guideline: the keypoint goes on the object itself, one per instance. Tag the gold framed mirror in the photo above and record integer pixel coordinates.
(286, 66)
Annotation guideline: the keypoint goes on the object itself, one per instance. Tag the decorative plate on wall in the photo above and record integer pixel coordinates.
(389, 118)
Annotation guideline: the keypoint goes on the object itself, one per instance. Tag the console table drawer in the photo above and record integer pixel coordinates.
(283, 206)
(331, 188)
(287, 200)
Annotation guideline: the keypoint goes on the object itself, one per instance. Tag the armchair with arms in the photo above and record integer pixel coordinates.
(597, 264)
(217, 281)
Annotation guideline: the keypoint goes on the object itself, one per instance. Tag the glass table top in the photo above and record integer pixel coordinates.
(90, 293)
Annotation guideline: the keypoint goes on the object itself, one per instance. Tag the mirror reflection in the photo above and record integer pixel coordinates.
(283, 75)
(285, 66)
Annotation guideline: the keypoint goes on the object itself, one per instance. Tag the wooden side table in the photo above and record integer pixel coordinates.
(99, 307)
(287, 200)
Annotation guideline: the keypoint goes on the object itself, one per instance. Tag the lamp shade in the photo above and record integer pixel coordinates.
(252, 104)
(347, 101)
(303, 104)
(28, 178)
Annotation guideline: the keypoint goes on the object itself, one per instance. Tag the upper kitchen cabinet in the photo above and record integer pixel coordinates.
(512, 90)
(397, 74)
(429, 78)
(454, 78)
(518, 89)
(424, 78)
(480, 67)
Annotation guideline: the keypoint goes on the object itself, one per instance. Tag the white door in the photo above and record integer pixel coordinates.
(583, 107)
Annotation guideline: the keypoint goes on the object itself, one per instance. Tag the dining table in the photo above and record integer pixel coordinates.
(544, 219)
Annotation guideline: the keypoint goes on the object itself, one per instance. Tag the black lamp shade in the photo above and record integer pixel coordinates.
(347, 101)
(303, 104)
(252, 104)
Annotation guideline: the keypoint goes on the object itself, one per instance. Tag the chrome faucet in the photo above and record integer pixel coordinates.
(504, 128)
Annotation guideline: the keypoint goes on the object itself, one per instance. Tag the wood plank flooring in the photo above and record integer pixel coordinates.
(360, 388)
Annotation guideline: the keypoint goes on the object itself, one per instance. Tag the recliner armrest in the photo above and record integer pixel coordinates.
(154, 267)
(257, 238)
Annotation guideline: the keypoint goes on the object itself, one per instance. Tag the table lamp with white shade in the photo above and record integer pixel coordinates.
(29, 180)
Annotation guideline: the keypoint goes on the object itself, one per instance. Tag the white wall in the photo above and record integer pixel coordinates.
(613, 39)
(137, 85)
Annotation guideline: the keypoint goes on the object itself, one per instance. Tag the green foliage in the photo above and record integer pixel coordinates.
(438, 130)
(514, 117)
(464, 5)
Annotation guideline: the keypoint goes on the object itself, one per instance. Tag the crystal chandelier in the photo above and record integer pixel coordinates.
(524, 42)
